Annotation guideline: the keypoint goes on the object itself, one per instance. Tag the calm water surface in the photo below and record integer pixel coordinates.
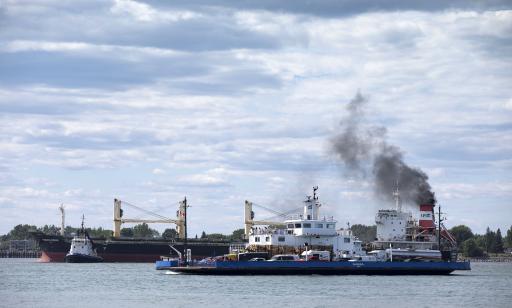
(26, 283)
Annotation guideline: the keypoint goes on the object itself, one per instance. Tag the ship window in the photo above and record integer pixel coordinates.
(319, 225)
(290, 232)
(310, 207)
(267, 239)
(346, 239)
(257, 239)
(297, 225)
(280, 239)
(307, 225)
(290, 226)
(329, 226)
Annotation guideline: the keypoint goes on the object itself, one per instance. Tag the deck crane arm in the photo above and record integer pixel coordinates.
(118, 218)
(249, 217)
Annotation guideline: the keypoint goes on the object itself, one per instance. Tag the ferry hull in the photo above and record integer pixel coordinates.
(324, 268)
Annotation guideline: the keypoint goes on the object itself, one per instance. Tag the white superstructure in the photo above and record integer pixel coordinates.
(392, 225)
(399, 229)
(308, 230)
(81, 249)
(81, 245)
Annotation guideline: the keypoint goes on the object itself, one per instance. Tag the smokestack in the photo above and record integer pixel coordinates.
(362, 149)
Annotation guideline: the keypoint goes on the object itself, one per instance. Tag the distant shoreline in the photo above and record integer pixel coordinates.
(490, 259)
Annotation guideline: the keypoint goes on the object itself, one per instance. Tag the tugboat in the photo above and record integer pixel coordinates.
(82, 250)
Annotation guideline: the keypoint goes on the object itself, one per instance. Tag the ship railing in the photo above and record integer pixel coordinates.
(267, 231)
(301, 217)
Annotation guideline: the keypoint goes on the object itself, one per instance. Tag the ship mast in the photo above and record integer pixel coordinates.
(398, 201)
(62, 219)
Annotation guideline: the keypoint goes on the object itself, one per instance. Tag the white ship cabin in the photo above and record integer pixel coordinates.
(399, 229)
(81, 245)
(308, 229)
(392, 225)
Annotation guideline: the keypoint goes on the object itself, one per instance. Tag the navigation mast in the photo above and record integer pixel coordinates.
(396, 195)
(62, 219)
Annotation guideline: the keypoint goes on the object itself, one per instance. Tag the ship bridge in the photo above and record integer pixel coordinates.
(301, 231)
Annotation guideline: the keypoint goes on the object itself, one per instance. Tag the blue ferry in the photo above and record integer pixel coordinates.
(307, 243)
(322, 268)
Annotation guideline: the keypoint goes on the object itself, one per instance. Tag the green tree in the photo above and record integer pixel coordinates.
(471, 249)
(127, 232)
(490, 241)
(50, 229)
(498, 242)
(480, 241)
(144, 231)
(365, 233)
(238, 235)
(99, 232)
(68, 231)
(217, 236)
(21, 232)
(508, 238)
(461, 234)
(170, 233)
(203, 235)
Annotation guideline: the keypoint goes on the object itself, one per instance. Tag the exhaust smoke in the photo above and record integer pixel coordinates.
(365, 152)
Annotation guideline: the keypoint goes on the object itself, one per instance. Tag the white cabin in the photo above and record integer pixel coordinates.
(81, 245)
(392, 225)
(308, 229)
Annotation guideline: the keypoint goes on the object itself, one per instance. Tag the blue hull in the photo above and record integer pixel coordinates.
(324, 268)
(165, 264)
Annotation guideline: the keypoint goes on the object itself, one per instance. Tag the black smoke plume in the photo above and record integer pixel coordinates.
(362, 148)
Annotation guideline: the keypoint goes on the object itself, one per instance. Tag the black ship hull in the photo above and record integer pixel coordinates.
(54, 248)
(80, 258)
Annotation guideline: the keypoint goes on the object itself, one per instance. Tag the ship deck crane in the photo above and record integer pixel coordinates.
(180, 220)
(249, 217)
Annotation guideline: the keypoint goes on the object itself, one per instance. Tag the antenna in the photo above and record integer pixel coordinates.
(396, 195)
(439, 221)
(315, 188)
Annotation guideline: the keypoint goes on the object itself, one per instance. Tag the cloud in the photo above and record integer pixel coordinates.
(236, 100)
(336, 8)
(144, 12)
(158, 171)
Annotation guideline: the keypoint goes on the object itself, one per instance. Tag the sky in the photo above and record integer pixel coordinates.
(226, 101)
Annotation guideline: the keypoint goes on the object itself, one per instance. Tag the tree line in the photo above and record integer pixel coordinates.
(22, 232)
(469, 243)
(481, 245)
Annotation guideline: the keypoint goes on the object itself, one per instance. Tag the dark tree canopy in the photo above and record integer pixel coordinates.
(461, 233)
(127, 232)
(366, 234)
(170, 233)
(471, 249)
(144, 231)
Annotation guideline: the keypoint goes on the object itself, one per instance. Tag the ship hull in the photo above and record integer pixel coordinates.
(80, 258)
(324, 268)
(54, 249)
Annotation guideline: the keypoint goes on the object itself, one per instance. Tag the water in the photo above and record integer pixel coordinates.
(26, 283)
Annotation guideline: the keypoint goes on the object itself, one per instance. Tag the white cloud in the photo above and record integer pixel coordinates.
(225, 105)
(145, 13)
(157, 171)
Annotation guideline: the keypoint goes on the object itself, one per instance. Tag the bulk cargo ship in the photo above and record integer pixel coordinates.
(309, 244)
(118, 249)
